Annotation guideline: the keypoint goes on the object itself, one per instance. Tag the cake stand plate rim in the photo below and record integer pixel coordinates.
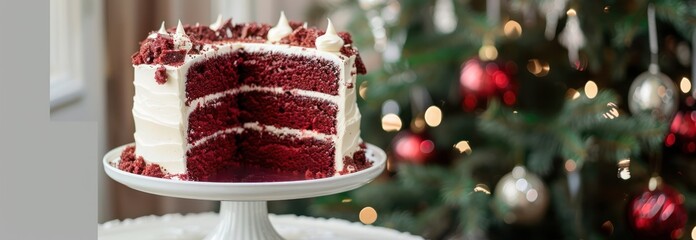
(246, 191)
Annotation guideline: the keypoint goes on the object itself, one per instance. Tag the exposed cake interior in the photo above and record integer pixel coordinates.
(255, 120)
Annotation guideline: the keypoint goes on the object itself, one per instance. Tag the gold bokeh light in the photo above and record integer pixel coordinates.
(685, 85)
(433, 116)
(570, 165)
(368, 215)
(488, 52)
(613, 111)
(463, 147)
(512, 29)
(591, 89)
(362, 90)
(572, 94)
(571, 13)
(391, 122)
(538, 68)
(624, 171)
(418, 124)
(482, 188)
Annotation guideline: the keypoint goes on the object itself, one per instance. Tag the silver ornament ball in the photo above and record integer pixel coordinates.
(653, 92)
(521, 197)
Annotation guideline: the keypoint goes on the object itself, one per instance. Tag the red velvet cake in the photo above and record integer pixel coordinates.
(246, 102)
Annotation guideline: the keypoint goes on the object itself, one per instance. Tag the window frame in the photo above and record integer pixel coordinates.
(66, 61)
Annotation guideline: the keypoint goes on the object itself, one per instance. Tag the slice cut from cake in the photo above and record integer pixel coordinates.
(246, 102)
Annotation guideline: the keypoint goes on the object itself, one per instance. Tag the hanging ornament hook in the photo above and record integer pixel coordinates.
(652, 31)
(693, 63)
(493, 11)
(488, 52)
(553, 10)
(572, 37)
(445, 18)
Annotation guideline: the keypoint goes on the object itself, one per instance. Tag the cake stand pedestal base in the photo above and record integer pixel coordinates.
(243, 220)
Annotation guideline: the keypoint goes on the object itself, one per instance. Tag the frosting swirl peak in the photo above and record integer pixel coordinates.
(181, 40)
(281, 29)
(162, 30)
(330, 41)
(217, 24)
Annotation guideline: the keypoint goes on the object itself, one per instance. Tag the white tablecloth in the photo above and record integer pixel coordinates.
(196, 226)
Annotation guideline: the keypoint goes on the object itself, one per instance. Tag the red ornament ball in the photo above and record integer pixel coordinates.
(682, 132)
(658, 214)
(413, 147)
(480, 81)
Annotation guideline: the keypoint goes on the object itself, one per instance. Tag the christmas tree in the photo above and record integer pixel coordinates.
(531, 119)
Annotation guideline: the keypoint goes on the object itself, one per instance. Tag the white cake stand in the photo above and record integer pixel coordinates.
(243, 210)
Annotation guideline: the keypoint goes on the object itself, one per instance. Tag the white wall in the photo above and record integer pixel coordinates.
(266, 11)
(89, 105)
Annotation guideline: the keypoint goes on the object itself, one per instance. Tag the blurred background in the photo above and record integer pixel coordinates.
(540, 119)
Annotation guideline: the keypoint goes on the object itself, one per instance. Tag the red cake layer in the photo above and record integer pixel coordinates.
(221, 114)
(289, 72)
(270, 109)
(228, 71)
(206, 160)
(311, 157)
(233, 156)
(213, 75)
(286, 110)
(254, 174)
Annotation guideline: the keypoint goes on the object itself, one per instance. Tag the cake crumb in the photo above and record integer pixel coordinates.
(161, 75)
(130, 163)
